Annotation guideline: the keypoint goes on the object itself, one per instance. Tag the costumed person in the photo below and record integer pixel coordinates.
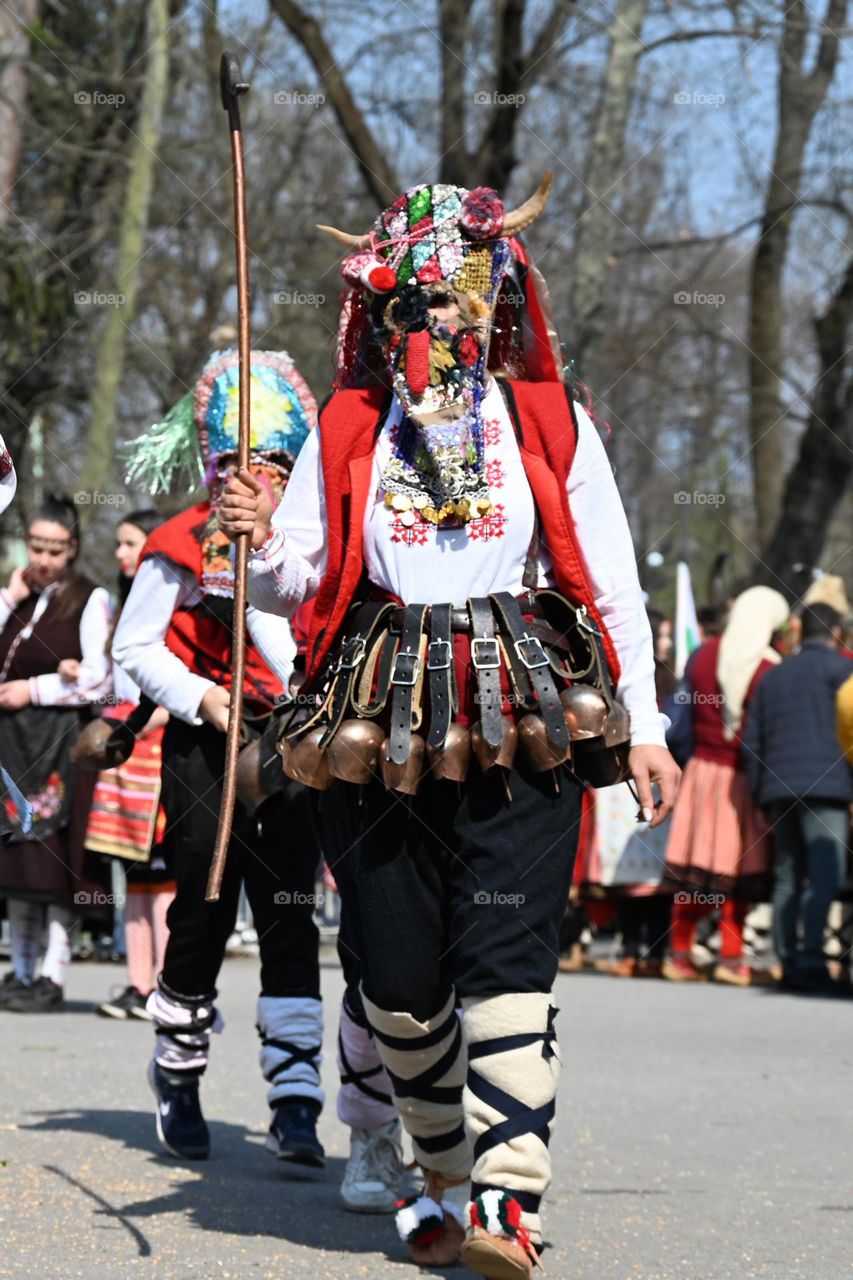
(467, 552)
(53, 668)
(174, 642)
(126, 820)
(719, 843)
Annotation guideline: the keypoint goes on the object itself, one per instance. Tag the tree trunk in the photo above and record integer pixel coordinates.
(607, 153)
(15, 20)
(818, 479)
(799, 97)
(142, 157)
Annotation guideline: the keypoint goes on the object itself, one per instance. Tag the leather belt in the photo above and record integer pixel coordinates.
(405, 675)
(486, 660)
(526, 651)
(460, 622)
(443, 698)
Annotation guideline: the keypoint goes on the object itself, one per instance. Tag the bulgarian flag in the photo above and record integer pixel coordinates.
(686, 624)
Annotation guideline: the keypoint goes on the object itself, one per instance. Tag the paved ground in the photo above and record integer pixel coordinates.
(704, 1134)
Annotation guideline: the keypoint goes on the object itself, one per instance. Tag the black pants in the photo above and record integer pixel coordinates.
(274, 852)
(454, 887)
(644, 923)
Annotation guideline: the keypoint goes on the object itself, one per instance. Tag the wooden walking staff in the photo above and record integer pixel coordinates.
(232, 86)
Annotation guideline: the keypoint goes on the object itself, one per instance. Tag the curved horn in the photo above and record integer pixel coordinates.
(517, 219)
(343, 237)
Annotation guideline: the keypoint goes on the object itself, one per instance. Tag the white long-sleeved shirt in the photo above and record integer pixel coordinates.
(93, 679)
(419, 562)
(139, 644)
(9, 481)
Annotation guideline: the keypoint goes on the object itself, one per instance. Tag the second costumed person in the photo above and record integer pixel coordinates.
(174, 641)
(476, 604)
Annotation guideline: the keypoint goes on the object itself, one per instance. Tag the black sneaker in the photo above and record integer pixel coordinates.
(180, 1124)
(11, 986)
(43, 996)
(293, 1133)
(130, 1004)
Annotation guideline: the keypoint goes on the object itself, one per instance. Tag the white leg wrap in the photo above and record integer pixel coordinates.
(183, 1026)
(509, 1096)
(426, 1065)
(291, 1031)
(364, 1098)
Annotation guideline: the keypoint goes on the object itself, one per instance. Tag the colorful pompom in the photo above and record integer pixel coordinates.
(419, 1220)
(382, 279)
(500, 1214)
(482, 213)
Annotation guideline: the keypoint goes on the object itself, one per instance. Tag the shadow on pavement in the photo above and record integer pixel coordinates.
(240, 1190)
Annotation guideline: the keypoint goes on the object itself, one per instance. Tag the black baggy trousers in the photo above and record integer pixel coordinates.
(275, 852)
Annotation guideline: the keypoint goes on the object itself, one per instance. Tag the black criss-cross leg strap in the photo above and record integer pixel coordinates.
(349, 1075)
(486, 660)
(442, 676)
(294, 1053)
(530, 651)
(404, 676)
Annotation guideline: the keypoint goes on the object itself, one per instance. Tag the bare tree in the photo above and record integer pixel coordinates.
(800, 95)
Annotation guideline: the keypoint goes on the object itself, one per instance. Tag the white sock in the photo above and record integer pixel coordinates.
(60, 927)
(25, 924)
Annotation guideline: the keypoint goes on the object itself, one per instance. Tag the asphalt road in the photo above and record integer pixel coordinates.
(704, 1134)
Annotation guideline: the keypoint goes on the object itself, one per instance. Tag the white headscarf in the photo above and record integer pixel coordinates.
(8, 479)
(745, 643)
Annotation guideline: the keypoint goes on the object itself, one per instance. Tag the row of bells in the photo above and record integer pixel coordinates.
(359, 750)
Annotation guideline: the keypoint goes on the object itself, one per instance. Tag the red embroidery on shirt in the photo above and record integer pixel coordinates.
(410, 535)
(492, 431)
(490, 526)
(495, 473)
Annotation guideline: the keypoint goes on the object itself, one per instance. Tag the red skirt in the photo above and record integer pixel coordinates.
(719, 840)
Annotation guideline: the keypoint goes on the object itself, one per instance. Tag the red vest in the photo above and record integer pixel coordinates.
(201, 641)
(709, 739)
(349, 425)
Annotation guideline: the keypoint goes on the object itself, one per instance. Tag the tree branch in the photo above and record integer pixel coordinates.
(380, 178)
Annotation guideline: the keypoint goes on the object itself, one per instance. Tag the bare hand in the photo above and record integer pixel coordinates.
(654, 764)
(14, 695)
(19, 588)
(214, 707)
(69, 669)
(246, 507)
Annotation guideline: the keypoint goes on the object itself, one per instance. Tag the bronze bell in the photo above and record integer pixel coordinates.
(584, 711)
(452, 762)
(618, 726)
(102, 744)
(405, 778)
(353, 752)
(503, 755)
(305, 762)
(536, 747)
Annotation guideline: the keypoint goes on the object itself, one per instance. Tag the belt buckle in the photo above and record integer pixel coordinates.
(520, 646)
(409, 677)
(482, 664)
(585, 622)
(349, 663)
(448, 650)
